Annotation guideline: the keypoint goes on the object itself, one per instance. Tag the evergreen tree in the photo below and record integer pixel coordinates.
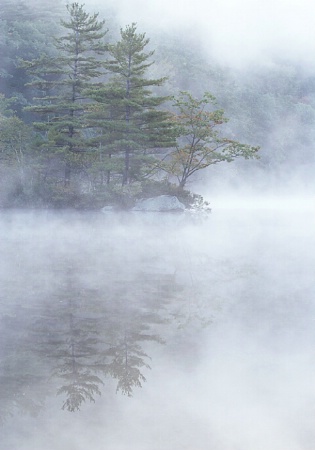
(16, 155)
(62, 79)
(128, 115)
(25, 33)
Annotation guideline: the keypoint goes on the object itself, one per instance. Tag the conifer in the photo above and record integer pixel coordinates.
(60, 82)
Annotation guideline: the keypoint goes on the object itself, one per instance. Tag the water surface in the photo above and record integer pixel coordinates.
(146, 332)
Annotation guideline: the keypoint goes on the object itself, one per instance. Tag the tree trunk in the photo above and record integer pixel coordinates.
(67, 173)
(127, 168)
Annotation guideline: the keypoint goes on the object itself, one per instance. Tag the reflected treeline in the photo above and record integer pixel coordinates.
(84, 302)
(72, 338)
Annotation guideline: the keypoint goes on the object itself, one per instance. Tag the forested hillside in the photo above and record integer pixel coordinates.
(93, 112)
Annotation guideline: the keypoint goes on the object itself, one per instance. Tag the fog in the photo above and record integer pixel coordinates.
(140, 331)
(237, 33)
(230, 296)
(261, 47)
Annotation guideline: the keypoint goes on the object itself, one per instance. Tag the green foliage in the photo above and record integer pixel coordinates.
(100, 123)
(127, 111)
(16, 156)
(61, 81)
(24, 33)
(199, 143)
(15, 138)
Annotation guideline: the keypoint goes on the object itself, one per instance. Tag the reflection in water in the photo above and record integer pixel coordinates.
(87, 300)
(89, 323)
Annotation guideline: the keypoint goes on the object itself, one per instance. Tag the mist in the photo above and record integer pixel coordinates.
(127, 330)
(235, 33)
(247, 45)
(232, 298)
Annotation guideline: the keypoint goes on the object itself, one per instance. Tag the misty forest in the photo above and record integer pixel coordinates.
(156, 237)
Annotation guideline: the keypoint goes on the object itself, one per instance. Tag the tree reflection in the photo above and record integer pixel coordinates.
(22, 378)
(124, 357)
(126, 360)
(79, 336)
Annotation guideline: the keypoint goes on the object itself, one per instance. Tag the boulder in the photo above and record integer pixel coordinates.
(162, 203)
(108, 208)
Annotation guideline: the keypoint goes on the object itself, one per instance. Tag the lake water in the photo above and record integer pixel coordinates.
(143, 332)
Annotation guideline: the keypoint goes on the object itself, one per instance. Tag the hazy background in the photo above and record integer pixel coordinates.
(237, 369)
(251, 43)
(235, 32)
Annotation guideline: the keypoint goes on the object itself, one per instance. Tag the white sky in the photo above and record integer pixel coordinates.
(236, 30)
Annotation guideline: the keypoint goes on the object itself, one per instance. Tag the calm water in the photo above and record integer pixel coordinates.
(145, 333)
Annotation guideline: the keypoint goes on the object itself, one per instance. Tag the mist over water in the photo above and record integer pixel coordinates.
(232, 297)
(138, 331)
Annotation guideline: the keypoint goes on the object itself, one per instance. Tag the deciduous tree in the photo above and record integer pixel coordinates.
(200, 143)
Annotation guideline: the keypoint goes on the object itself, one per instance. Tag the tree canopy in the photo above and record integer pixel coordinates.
(106, 120)
(200, 143)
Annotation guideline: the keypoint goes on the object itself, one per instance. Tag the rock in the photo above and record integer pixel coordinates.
(162, 203)
(108, 208)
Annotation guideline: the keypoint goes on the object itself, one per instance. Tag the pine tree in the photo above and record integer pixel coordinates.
(128, 115)
(62, 79)
(67, 332)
